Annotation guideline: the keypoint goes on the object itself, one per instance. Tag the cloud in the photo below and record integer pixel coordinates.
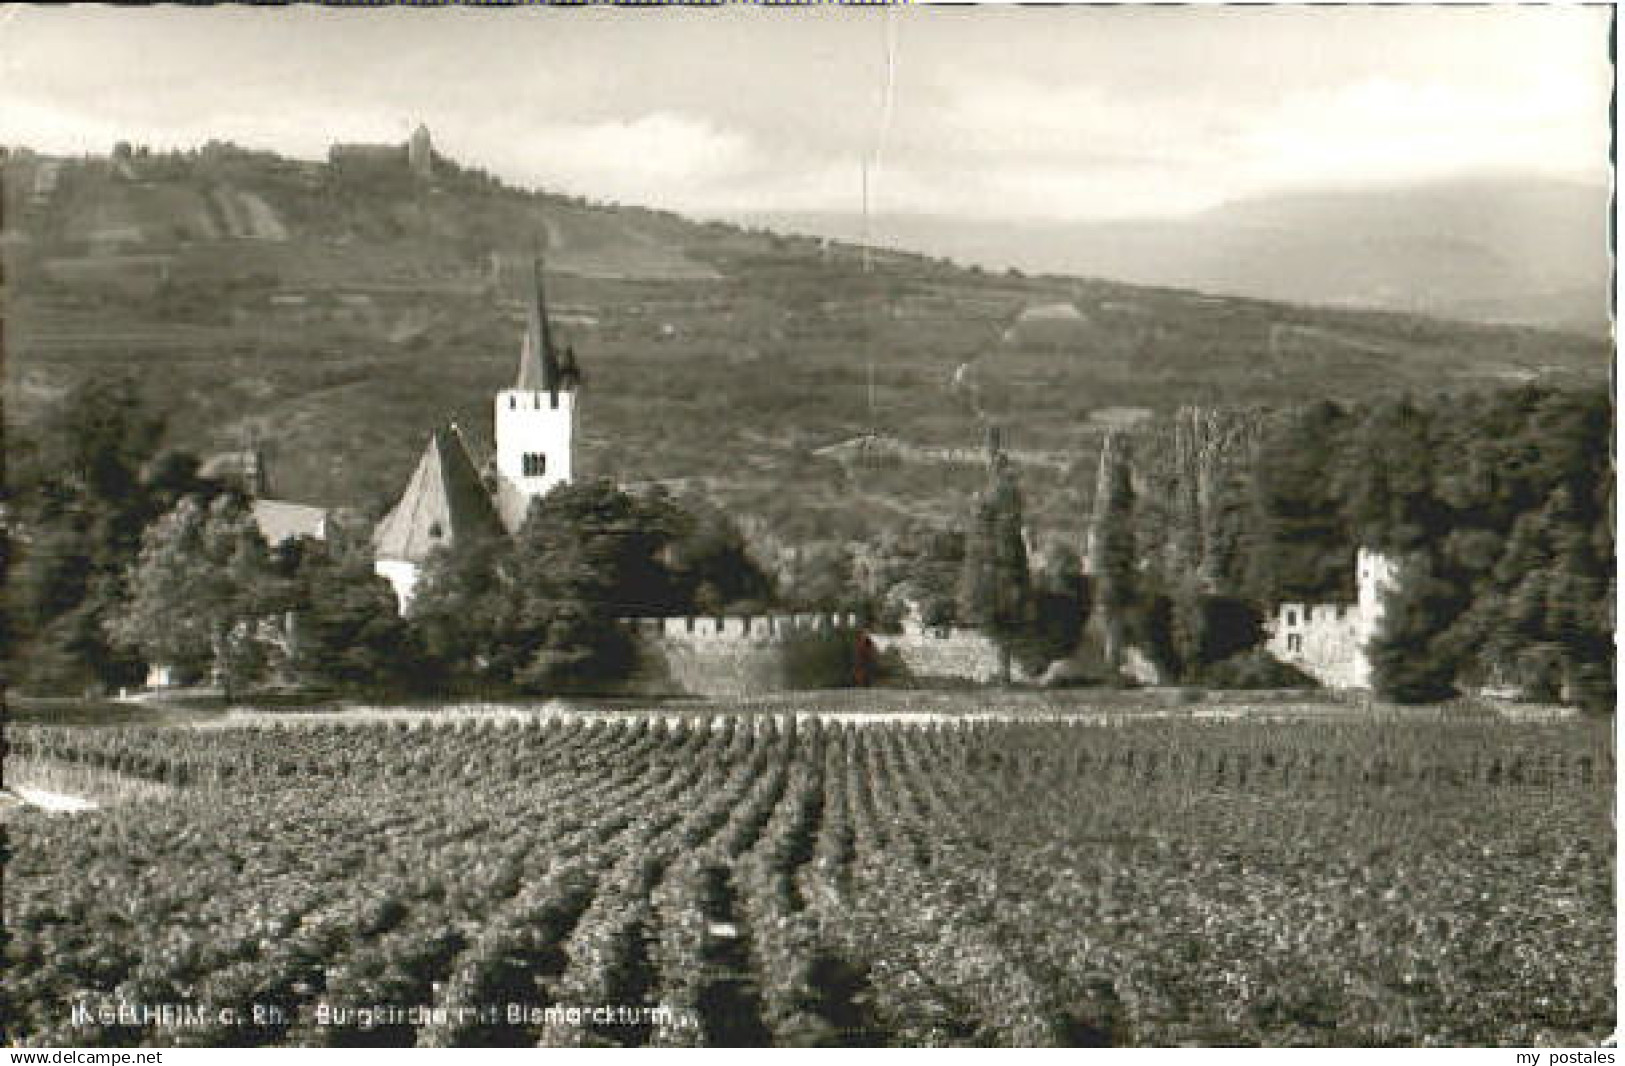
(1065, 113)
(1387, 128)
(1085, 123)
(49, 128)
(655, 156)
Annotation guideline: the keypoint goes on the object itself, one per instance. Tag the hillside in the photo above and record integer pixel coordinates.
(339, 311)
(1526, 251)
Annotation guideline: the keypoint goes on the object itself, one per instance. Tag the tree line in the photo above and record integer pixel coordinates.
(121, 555)
(1497, 506)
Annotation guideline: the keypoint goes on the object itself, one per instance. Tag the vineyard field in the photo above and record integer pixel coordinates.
(766, 880)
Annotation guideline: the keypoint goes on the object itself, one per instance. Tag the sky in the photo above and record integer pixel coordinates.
(1002, 112)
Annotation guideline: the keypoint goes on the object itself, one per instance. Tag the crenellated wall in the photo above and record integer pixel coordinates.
(735, 655)
(727, 655)
(756, 629)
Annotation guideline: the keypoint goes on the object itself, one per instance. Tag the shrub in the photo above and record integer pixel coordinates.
(1256, 669)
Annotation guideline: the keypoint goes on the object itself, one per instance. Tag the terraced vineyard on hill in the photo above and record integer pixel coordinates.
(736, 881)
(340, 312)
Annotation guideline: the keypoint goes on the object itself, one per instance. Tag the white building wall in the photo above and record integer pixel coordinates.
(528, 423)
(402, 577)
(1377, 576)
(1324, 640)
(1329, 641)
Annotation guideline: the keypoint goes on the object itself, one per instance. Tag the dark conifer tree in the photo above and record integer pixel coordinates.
(1112, 556)
(995, 590)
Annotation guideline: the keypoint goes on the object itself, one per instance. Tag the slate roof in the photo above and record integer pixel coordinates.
(541, 368)
(443, 503)
(280, 520)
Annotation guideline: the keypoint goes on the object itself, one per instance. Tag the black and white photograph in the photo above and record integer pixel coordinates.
(837, 526)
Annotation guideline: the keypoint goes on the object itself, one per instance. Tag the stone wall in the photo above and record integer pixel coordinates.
(730, 655)
(943, 652)
(739, 655)
(708, 670)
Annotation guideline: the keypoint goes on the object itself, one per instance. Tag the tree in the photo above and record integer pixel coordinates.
(1112, 554)
(619, 541)
(539, 612)
(1387, 478)
(69, 653)
(1297, 543)
(202, 596)
(821, 577)
(1059, 604)
(995, 591)
(1408, 662)
(567, 585)
(1531, 554)
(457, 611)
(708, 558)
(1205, 630)
(98, 439)
(82, 486)
(347, 632)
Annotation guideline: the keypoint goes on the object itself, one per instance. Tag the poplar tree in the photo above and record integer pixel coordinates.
(1112, 551)
(995, 590)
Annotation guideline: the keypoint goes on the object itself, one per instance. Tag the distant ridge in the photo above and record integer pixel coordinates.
(1527, 251)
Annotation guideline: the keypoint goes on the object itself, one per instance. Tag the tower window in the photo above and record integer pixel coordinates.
(1294, 642)
(513, 402)
(533, 464)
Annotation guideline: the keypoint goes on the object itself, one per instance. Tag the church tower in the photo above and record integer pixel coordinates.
(535, 419)
(420, 152)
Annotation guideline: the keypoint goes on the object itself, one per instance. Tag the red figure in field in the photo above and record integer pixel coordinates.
(864, 659)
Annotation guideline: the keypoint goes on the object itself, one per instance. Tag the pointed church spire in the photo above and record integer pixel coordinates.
(538, 358)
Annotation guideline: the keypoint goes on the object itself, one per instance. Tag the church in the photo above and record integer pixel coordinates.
(446, 499)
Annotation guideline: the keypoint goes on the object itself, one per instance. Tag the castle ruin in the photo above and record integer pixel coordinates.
(1329, 641)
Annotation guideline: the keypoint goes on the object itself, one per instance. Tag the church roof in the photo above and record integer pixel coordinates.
(279, 520)
(443, 503)
(541, 369)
